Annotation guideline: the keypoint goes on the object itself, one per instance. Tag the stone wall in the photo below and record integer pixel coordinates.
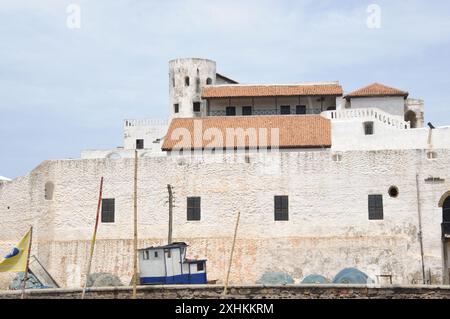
(244, 292)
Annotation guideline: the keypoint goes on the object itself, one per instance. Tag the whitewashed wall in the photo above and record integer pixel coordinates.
(328, 228)
(394, 105)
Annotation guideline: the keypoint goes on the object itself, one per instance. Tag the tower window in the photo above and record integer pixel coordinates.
(281, 208)
(196, 107)
(208, 81)
(285, 109)
(186, 81)
(300, 109)
(176, 108)
(108, 210)
(368, 128)
(246, 110)
(375, 207)
(393, 191)
(139, 144)
(231, 111)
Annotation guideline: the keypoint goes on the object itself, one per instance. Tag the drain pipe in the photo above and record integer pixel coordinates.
(420, 229)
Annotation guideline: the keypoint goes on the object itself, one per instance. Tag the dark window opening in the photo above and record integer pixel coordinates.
(108, 210)
(156, 254)
(230, 111)
(300, 109)
(393, 191)
(176, 108)
(281, 208)
(200, 266)
(368, 128)
(193, 208)
(331, 108)
(140, 144)
(186, 81)
(285, 109)
(375, 207)
(196, 107)
(146, 255)
(446, 210)
(246, 110)
(208, 81)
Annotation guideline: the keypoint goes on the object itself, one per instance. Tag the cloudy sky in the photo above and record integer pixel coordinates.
(66, 89)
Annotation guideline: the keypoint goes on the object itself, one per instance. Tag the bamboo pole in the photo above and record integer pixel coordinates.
(420, 234)
(94, 236)
(169, 237)
(25, 276)
(225, 288)
(135, 225)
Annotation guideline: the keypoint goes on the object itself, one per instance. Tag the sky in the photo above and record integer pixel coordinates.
(67, 84)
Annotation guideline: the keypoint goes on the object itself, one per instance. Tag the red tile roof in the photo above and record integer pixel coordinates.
(223, 91)
(377, 89)
(290, 131)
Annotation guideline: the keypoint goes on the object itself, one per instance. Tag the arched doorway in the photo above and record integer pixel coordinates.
(445, 204)
(411, 117)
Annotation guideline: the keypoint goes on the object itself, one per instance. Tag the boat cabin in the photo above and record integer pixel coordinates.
(168, 265)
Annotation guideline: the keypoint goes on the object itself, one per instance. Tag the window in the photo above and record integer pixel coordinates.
(300, 109)
(176, 108)
(285, 109)
(375, 207)
(246, 110)
(196, 107)
(432, 155)
(169, 254)
(139, 144)
(186, 81)
(49, 188)
(281, 208)
(368, 128)
(331, 108)
(156, 254)
(230, 111)
(200, 266)
(193, 208)
(108, 210)
(208, 81)
(146, 255)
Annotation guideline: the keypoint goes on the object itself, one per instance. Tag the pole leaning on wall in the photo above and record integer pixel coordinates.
(420, 229)
(169, 236)
(27, 267)
(94, 236)
(135, 225)
(225, 288)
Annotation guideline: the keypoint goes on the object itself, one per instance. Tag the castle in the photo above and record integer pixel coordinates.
(323, 180)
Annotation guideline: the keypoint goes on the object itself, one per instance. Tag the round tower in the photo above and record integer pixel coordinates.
(187, 78)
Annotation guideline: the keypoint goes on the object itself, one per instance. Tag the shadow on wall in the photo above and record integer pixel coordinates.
(345, 276)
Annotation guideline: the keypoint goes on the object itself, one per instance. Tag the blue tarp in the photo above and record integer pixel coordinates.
(315, 279)
(275, 278)
(351, 276)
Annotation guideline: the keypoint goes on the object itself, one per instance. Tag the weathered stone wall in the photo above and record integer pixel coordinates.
(328, 227)
(244, 292)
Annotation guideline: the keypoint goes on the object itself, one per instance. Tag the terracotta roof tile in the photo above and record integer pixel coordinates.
(377, 89)
(283, 131)
(222, 91)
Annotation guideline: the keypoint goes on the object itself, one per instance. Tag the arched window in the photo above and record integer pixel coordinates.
(411, 117)
(186, 81)
(49, 189)
(446, 211)
(208, 81)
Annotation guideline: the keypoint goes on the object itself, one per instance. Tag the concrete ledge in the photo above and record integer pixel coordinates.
(328, 291)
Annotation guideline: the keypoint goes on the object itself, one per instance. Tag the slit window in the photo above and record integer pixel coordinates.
(176, 108)
(146, 255)
(376, 207)
(193, 208)
(196, 107)
(281, 208)
(108, 210)
(186, 81)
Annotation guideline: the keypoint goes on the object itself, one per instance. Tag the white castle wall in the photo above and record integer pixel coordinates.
(328, 227)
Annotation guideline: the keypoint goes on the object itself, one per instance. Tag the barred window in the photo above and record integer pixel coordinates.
(108, 210)
(193, 208)
(375, 207)
(281, 208)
